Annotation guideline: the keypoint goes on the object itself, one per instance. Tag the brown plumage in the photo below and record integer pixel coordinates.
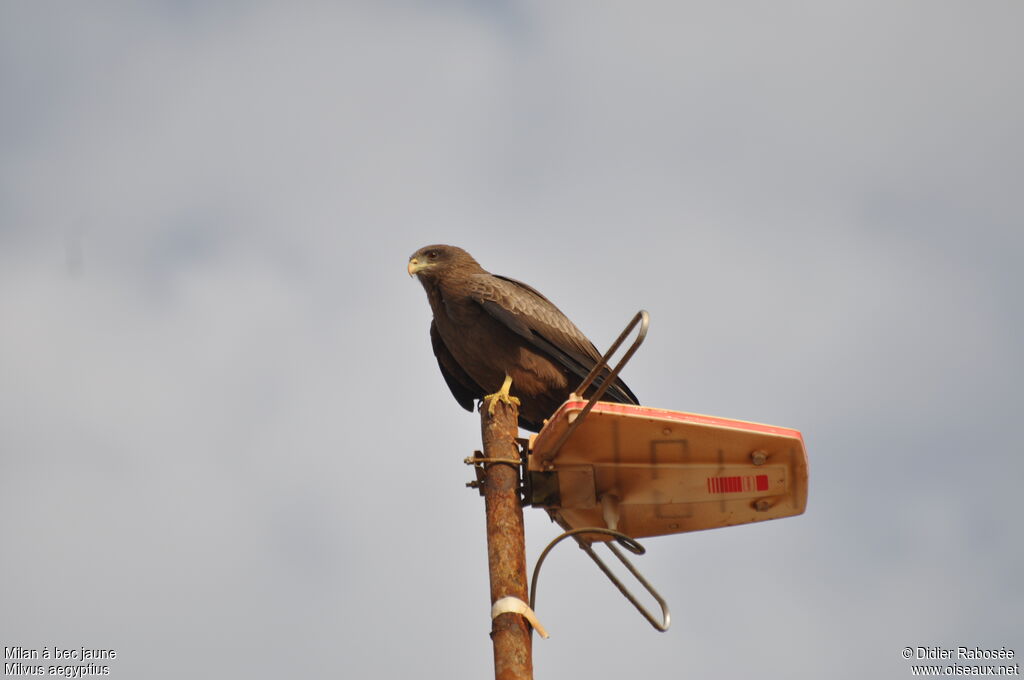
(487, 327)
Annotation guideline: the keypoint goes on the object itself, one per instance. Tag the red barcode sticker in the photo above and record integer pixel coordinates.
(738, 484)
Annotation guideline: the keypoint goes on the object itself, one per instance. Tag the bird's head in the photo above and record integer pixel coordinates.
(433, 261)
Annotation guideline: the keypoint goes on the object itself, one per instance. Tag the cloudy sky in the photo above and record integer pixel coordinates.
(226, 450)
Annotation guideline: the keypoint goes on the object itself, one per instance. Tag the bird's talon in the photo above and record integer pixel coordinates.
(501, 395)
(493, 399)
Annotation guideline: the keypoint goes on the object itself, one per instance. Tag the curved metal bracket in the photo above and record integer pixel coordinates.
(629, 544)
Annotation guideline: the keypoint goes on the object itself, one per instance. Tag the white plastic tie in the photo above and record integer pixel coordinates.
(513, 605)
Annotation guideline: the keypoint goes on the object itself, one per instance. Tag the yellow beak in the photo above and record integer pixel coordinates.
(414, 266)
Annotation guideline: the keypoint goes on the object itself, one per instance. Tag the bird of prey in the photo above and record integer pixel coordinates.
(495, 335)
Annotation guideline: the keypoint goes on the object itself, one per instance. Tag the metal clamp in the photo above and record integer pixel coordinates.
(482, 461)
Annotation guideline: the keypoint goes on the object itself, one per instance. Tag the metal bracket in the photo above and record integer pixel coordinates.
(478, 462)
(607, 377)
(642, 318)
(629, 544)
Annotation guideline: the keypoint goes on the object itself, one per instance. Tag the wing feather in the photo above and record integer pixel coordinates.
(464, 389)
(533, 317)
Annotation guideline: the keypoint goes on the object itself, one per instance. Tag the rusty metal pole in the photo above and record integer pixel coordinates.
(506, 542)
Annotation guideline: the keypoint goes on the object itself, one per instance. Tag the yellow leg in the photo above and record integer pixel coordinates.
(501, 395)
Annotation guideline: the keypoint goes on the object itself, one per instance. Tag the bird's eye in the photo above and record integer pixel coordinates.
(431, 254)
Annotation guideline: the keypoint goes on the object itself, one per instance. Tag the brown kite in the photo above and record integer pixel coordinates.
(495, 335)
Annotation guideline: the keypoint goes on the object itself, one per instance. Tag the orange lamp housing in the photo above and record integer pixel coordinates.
(649, 472)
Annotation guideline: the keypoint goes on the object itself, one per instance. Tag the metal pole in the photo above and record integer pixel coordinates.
(506, 543)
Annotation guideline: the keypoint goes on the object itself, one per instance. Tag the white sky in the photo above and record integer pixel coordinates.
(225, 447)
